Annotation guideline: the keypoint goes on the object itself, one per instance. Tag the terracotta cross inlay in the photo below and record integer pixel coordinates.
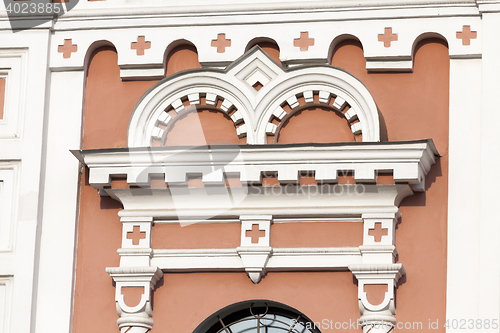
(255, 233)
(377, 232)
(67, 48)
(140, 45)
(387, 37)
(466, 35)
(136, 235)
(304, 41)
(221, 43)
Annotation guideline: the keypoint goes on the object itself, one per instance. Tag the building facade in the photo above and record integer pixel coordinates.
(229, 166)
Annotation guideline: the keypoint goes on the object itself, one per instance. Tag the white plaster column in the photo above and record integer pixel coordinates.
(23, 59)
(60, 197)
(464, 190)
(489, 228)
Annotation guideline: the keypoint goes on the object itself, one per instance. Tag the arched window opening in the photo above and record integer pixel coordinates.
(257, 316)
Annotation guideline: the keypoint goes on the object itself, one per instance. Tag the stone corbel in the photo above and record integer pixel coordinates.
(255, 247)
(377, 318)
(134, 317)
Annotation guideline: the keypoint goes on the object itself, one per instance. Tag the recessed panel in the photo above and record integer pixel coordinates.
(8, 200)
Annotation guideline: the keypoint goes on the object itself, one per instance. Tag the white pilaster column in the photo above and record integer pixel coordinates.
(60, 197)
(464, 190)
(489, 228)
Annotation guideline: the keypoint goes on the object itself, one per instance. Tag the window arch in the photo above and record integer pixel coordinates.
(260, 316)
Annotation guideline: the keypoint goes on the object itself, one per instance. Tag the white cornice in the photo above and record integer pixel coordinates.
(409, 161)
(201, 16)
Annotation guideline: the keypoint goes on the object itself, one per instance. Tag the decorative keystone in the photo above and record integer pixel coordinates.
(134, 317)
(255, 260)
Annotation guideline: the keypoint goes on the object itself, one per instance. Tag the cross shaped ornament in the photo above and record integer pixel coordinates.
(221, 43)
(377, 232)
(387, 37)
(304, 41)
(255, 233)
(140, 45)
(466, 35)
(136, 235)
(67, 48)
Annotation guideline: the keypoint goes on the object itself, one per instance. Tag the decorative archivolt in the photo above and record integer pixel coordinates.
(190, 103)
(253, 92)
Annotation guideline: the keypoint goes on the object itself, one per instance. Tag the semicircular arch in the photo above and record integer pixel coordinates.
(319, 85)
(178, 92)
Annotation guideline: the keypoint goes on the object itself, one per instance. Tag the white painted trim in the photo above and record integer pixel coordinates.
(255, 109)
(60, 193)
(409, 161)
(281, 259)
(463, 273)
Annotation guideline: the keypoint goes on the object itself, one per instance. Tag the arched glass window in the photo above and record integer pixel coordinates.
(257, 316)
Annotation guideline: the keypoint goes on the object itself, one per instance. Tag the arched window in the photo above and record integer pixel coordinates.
(257, 316)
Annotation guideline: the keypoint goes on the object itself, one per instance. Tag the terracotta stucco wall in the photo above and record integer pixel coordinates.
(413, 106)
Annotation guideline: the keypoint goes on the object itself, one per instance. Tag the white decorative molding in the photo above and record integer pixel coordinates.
(377, 318)
(376, 205)
(255, 249)
(6, 294)
(164, 26)
(9, 196)
(325, 98)
(409, 161)
(13, 68)
(253, 110)
(136, 241)
(135, 318)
